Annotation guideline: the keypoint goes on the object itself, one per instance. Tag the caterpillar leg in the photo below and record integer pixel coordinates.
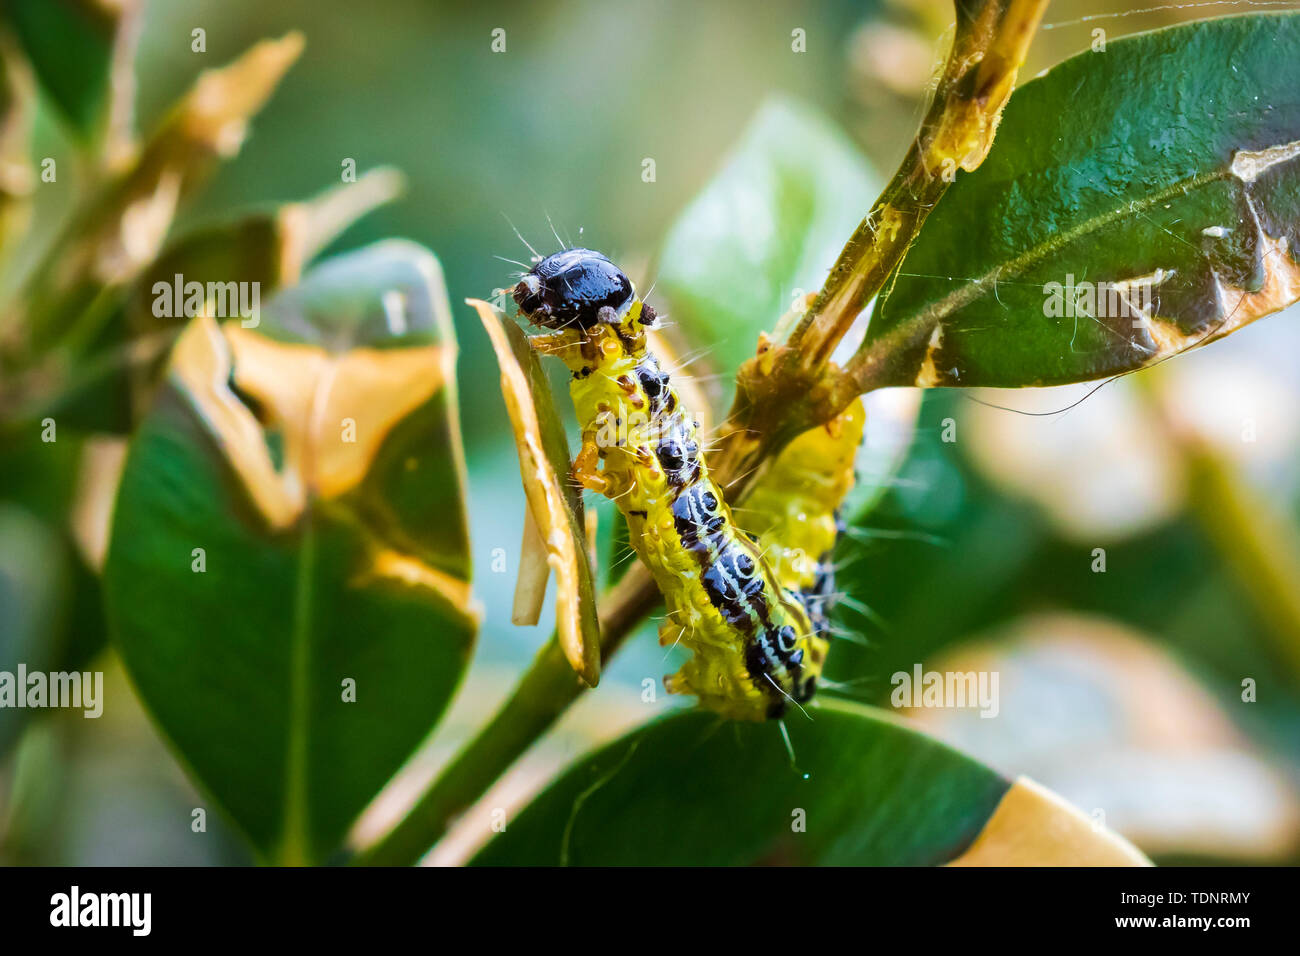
(586, 466)
(547, 344)
(670, 635)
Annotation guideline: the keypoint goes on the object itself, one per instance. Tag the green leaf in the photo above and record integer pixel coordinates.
(317, 463)
(74, 47)
(691, 789)
(1166, 167)
(34, 587)
(766, 227)
(50, 603)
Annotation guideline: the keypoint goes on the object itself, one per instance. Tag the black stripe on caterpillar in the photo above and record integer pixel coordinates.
(755, 646)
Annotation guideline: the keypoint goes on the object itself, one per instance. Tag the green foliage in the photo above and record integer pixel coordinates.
(244, 658)
(296, 624)
(71, 46)
(33, 583)
(691, 789)
(80, 346)
(1113, 166)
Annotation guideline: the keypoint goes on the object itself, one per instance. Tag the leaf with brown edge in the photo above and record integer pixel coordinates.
(109, 386)
(554, 502)
(1125, 214)
(534, 574)
(868, 788)
(269, 247)
(290, 529)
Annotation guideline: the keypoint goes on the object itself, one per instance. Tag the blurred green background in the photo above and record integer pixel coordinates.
(985, 543)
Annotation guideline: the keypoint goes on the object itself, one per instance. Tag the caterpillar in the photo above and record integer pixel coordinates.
(757, 646)
(794, 509)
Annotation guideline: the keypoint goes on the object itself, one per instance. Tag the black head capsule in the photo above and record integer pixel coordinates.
(570, 288)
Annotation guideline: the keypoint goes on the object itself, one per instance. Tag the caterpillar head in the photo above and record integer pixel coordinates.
(575, 289)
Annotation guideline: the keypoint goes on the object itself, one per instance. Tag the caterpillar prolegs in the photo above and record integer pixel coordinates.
(755, 620)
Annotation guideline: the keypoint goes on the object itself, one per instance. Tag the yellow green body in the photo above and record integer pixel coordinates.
(792, 507)
(623, 426)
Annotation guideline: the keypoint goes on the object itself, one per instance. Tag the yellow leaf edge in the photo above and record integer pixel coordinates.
(1034, 826)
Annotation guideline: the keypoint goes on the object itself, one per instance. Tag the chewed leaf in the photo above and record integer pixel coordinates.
(123, 226)
(555, 504)
(534, 574)
(213, 269)
(1123, 215)
(268, 247)
(288, 578)
(863, 788)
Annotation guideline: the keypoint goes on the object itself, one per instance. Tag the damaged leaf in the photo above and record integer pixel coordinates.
(1126, 213)
(553, 501)
(288, 578)
(228, 268)
(122, 227)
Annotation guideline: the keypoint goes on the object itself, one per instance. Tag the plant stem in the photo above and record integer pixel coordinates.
(1257, 543)
(295, 841)
(546, 690)
(790, 388)
(781, 393)
(991, 42)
